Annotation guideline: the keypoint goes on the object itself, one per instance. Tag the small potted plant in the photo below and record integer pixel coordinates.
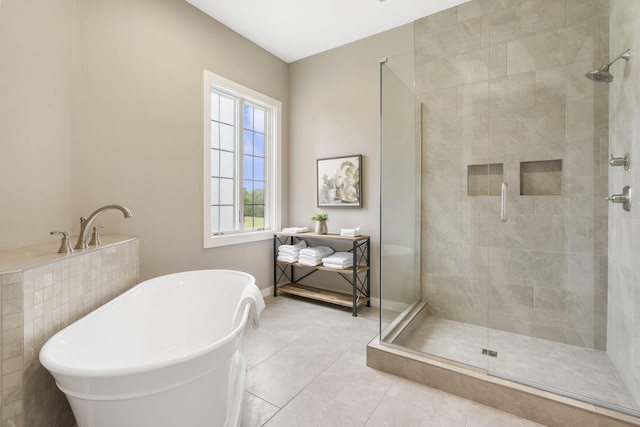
(321, 219)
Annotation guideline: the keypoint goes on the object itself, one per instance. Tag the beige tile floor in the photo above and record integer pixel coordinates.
(307, 367)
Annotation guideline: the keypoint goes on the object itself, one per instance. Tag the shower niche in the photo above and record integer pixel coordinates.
(541, 178)
(485, 180)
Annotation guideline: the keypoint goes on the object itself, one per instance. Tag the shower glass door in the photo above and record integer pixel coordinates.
(400, 196)
(434, 266)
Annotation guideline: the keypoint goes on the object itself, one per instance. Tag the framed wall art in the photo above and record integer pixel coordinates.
(339, 182)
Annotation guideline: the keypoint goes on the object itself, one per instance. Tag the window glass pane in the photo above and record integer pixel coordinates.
(215, 135)
(248, 117)
(248, 167)
(258, 144)
(248, 193)
(215, 191)
(227, 222)
(227, 164)
(258, 212)
(258, 168)
(248, 142)
(227, 110)
(215, 163)
(248, 213)
(215, 219)
(259, 120)
(248, 218)
(227, 138)
(215, 107)
(226, 192)
(258, 192)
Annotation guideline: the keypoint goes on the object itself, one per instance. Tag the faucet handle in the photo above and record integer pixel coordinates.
(65, 246)
(95, 237)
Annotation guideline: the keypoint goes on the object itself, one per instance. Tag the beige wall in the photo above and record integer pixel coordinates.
(116, 90)
(101, 103)
(35, 112)
(335, 111)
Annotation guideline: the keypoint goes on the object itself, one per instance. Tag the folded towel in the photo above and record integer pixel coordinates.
(336, 266)
(252, 298)
(286, 258)
(350, 232)
(339, 258)
(300, 245)
(316, 251)
(310, 258)
(287, 251)
(337, 262)
(295, 230)
(310, 262)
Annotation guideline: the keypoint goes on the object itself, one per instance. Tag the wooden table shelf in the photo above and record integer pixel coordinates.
(287, 281)
(324, 295)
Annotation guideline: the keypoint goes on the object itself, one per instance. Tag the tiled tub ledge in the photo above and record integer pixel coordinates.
(42, 292)
(474, 384)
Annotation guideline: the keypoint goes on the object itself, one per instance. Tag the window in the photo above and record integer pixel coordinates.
(241, 155)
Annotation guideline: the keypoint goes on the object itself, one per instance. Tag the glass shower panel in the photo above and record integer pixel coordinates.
(513, 268)
(434, 268)
(400, 196)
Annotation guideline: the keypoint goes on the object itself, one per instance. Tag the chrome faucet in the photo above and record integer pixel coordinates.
(85, 223)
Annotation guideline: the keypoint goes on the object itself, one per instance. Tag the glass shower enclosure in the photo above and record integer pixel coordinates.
(494, 223)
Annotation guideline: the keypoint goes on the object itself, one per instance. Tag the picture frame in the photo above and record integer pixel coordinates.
(339, 182)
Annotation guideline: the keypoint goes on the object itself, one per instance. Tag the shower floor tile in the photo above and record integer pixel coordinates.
(567, 368)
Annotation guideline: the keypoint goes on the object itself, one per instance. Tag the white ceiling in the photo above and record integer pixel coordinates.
(295, 29)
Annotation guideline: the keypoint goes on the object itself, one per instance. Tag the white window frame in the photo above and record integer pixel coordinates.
(273, 193)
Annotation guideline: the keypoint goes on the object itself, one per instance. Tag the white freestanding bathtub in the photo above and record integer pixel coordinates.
(164, 353)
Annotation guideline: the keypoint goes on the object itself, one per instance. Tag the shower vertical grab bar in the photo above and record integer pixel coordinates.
(503, 204)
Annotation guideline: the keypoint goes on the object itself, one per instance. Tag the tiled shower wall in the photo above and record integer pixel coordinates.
(624, 228)
(503, 83)
(39, 301)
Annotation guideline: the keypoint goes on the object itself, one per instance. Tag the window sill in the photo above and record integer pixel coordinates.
(236, 239)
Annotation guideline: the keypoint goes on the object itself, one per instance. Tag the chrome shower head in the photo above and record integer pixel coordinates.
(602, 74)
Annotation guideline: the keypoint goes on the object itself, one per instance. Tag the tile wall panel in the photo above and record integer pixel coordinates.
(503, 82)
(37, 302)
(623, 269)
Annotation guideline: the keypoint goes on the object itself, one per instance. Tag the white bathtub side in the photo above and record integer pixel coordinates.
(155, 323)
(210, 398)
(166, 344)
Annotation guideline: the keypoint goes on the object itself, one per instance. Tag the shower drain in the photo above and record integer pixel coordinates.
(490, 352)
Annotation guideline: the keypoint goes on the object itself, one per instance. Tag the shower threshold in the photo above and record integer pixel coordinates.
(476, 384)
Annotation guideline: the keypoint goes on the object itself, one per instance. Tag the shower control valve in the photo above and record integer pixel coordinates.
(624, 198)
(620, 161)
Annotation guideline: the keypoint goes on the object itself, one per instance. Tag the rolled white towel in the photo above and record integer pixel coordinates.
(316, 251)
(295, 230)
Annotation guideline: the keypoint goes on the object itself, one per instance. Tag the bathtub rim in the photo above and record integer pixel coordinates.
(55, 367)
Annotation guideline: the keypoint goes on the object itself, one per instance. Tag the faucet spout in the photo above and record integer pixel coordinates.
(86, 223)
